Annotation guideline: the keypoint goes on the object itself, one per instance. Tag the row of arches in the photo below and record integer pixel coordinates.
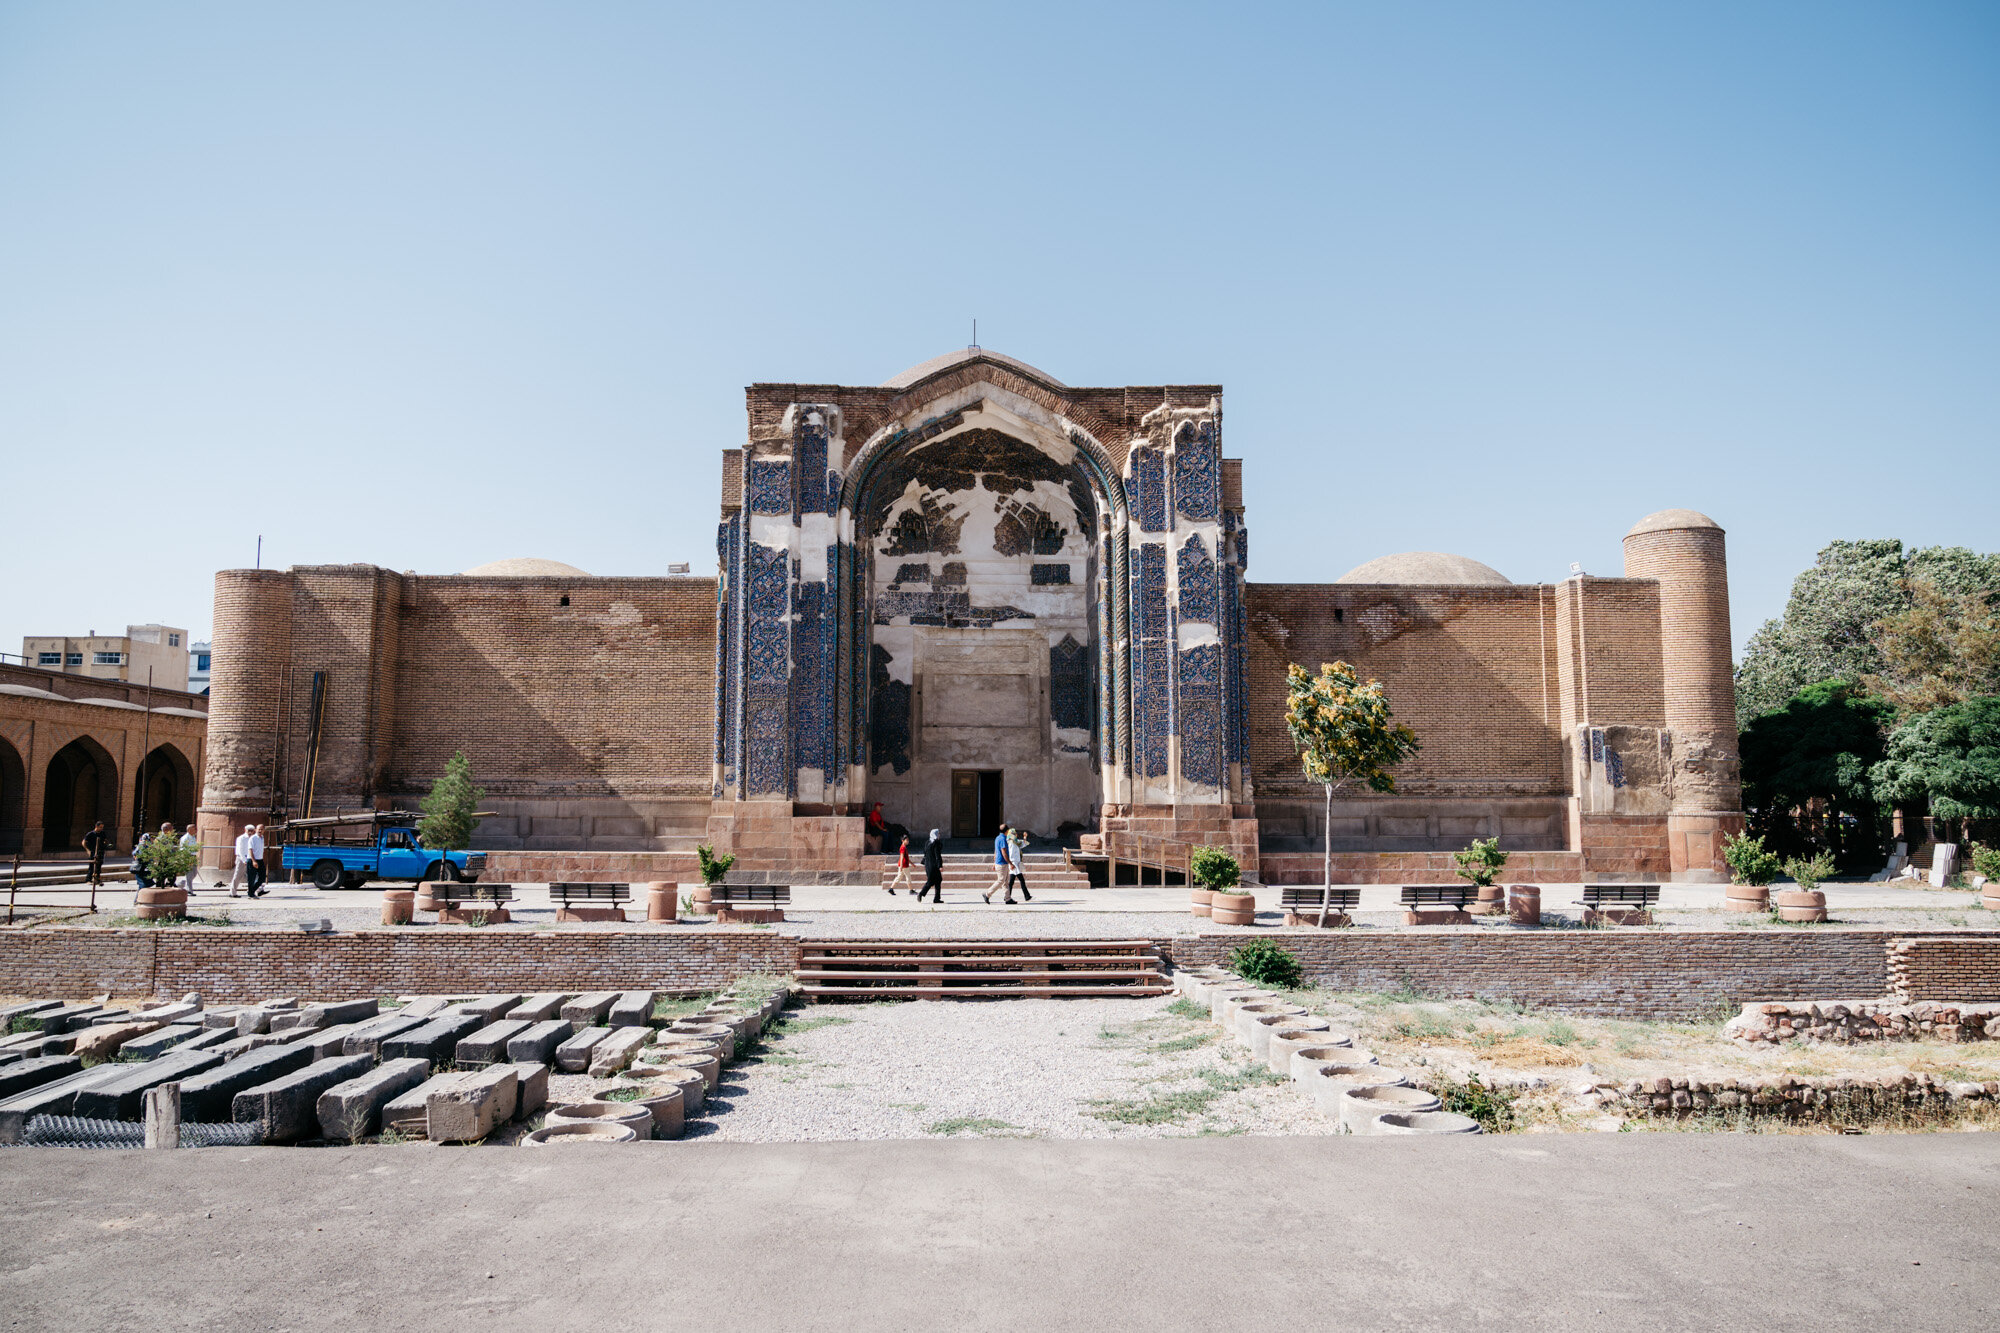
(79, 786)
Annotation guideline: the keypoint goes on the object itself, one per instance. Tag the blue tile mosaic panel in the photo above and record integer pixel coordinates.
(1197, 470)
(1148, 492)
(768, 483)
(1196, 574)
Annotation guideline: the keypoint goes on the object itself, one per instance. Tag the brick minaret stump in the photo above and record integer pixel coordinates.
(1684, 551)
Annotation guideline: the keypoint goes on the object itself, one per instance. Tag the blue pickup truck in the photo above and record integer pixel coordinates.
(375, 847)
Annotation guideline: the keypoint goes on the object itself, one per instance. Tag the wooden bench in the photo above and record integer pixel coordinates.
(458, 903)
(1619, 904)
(1436, 904)
(590, 902)
(1302, 905)
(740, 903)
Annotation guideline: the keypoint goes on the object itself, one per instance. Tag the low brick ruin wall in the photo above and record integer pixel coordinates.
(1635, 974)
(1640, 974)
(1945, 968)
(236, 965)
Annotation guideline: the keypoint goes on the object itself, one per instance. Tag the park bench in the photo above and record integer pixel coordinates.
(458, 903)
(1620, 904)
(1302, 905)
(590, 902)
(1436, 904)
(760, 903)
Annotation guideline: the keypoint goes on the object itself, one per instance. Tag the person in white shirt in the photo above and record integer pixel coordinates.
(191, 843)
(239, 873)
(257, 872)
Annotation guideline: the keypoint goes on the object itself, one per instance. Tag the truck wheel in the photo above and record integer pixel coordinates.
(440, 870)
(327, 875)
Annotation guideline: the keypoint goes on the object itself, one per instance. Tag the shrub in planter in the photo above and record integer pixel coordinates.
(1213, 868)
(1809, 873)
(1481, 862)
(713, 867)
(1749, 862)
(1265, 963)
(1986, 860)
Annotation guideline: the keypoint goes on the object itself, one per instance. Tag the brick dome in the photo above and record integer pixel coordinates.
(1426, 568)
(526, 567)
(1667, 520)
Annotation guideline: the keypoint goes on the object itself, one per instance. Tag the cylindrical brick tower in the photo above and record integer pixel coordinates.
(1683, 550)
(252, 649)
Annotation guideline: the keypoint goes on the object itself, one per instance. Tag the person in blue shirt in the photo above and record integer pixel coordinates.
(999, 866)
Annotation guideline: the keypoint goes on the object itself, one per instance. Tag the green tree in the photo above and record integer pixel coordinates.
(448, 811)
(1820, 747)
(1948, 758)
(1831, 625)
(1346, 734)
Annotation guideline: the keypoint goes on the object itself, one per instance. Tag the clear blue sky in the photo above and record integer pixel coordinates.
(429, 285)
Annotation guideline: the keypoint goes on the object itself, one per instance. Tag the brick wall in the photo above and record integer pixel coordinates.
(1960, 969)
(1636, 975)
(237, 965)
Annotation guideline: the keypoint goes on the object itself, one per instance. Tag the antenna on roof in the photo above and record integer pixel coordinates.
(975, 337)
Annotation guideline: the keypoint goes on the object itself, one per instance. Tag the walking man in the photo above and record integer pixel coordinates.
(1017, 841)
(999, 866)
(94, 842)
(238, 873)
(902, 879)
(257, 872)
(933, 870)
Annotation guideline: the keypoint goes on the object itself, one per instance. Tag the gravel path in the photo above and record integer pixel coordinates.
(1015, 1069)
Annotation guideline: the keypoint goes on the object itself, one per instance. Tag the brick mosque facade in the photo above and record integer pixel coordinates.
(974, 593)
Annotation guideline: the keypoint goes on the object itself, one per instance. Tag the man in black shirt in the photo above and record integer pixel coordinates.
(94, 842)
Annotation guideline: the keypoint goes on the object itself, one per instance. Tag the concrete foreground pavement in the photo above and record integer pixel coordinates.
(1666, 1231)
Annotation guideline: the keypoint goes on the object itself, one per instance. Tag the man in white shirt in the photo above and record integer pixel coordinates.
(238, 873)
(191, 843)
(257, 872)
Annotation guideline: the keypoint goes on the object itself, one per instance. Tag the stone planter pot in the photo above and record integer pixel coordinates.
(399, 907)
(1799, 905)
(1307, 1061)
(1989, 897)
(1360, 1104)
(1331, 1081)
(704, 1061)
(555, 1135)
(635, 1118)
(1524, 905)
(1490, 901)
(159, 904)
(1257, 1030)
(1748, 898)
(704, 901)
(1296, 1035)
(662, 901)
(664, 1100)
(1232, 909)
(1425, 1122)
(1222, 1004)
(1198, 901)
(689, 1082)
(1205, 988)
(1245, 1015)
(748, 1026)
(424, 901)
(723, 1035)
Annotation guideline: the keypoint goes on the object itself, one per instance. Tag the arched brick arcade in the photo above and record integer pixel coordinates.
(80, 787)
(164, 790)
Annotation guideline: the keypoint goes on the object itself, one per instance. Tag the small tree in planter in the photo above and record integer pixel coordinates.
(1345, 734)
(1808, 873)
(1481, 862)
(1748, 862)
(713, 867)
(1217, 871)
(164, 859)
(448, 811)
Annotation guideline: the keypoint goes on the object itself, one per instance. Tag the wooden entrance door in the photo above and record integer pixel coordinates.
(965, 803)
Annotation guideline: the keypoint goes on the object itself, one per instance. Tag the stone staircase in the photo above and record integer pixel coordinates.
(978, 969)
(972, 871)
